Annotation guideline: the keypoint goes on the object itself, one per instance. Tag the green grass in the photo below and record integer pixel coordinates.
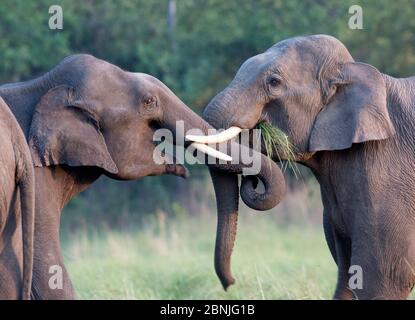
(280, 254)
(275, 139)
(168, 260)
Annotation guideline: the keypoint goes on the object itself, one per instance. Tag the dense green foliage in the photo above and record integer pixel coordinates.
(213, 36)
(196, 59)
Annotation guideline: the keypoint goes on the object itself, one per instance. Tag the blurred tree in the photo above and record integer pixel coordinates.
(171, 21)
(209, 38)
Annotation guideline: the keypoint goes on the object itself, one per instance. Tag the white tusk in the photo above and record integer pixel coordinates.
(223, 136)
(211, 152)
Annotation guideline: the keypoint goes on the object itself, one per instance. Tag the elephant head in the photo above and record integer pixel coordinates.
(313, 90)
(98, 115)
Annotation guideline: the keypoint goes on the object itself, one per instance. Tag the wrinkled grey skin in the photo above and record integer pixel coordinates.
(17, 209)
(87, 117)
(354, 127)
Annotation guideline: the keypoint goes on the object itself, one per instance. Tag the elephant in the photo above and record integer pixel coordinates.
(353, 126)
(87, 117)
(17, 213)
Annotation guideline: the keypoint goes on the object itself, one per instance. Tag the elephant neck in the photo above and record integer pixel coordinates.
(400, 94)
(56, 186)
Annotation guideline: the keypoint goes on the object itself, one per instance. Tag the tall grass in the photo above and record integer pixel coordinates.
(269, 262)
(275, 139)
(281, 254)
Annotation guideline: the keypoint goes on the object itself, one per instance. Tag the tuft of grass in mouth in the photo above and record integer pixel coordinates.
(275, 139)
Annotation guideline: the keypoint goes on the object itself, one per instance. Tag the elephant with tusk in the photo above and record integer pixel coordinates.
(86, 118)
(354, 128)
(227, 195)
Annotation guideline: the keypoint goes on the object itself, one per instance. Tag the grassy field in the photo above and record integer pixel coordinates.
(281, 254)
(174, 260)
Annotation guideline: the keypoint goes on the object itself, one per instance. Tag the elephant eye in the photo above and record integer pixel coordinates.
(274, 82)
(149, 101)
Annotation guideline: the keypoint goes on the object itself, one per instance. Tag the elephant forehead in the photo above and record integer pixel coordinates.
(311, 49)
(142, 76)
(149, 82)
(256, 63)
(280, 56)
(255, 68)
(145, 80)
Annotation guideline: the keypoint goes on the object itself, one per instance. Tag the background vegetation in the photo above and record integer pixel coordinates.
(195, 51)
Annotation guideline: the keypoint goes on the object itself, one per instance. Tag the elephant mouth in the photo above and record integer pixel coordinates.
(175, 159)
(201, 142)
(276, 146)
(173, 165)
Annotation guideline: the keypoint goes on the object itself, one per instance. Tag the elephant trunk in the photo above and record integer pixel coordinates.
(215, 114)
(226, 190)
(227, 197)
(274, 192)
(268, 172)
(225, 181)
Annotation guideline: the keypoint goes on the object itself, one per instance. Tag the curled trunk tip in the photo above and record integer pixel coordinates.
(274, 186)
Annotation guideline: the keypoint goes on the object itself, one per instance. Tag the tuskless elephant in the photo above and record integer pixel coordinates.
(87, 117)
(17, 209)
(354, 127)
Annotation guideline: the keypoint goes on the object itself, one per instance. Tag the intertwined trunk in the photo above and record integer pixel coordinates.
(219, 113)
(225, 181)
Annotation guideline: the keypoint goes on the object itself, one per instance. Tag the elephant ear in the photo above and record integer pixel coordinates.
(64, 131)
(355, 110)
